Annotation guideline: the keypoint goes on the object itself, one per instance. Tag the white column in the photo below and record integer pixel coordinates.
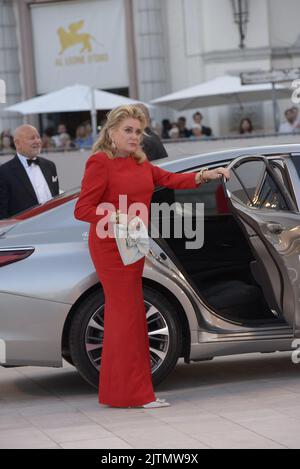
(9, 64)
(151, 57)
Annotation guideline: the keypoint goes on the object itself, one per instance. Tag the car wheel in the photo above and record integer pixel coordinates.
(87, 328)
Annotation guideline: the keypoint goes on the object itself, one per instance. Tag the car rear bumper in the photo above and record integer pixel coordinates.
(31, 331)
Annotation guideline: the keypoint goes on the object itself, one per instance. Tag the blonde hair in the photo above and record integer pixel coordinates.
(114, 120)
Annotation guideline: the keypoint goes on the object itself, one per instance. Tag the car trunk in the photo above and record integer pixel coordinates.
(7, 225)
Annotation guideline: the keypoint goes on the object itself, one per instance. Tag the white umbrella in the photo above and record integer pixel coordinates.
(70, 99)
(220, 91)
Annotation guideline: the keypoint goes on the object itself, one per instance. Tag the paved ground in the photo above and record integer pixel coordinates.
(238, 402)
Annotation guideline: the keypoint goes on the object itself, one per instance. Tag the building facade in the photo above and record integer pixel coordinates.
(145, 48)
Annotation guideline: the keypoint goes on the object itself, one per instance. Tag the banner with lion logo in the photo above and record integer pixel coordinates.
(80, 42)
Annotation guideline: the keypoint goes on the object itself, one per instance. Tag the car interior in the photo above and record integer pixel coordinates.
(224, 271)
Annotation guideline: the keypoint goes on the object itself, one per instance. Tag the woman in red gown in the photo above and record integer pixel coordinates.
(118, 167)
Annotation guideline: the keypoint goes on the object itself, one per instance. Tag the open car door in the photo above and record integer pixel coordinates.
(262, 205)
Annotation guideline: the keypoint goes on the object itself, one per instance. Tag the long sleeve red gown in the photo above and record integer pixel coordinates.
(125, 376)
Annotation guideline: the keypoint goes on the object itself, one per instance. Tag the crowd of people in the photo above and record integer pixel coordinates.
(51, 139)
(176, 130)
(62, 140)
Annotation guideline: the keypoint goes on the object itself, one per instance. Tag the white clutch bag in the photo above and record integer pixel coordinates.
(132, 240)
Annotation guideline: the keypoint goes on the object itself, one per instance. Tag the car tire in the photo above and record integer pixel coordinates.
(86, 335)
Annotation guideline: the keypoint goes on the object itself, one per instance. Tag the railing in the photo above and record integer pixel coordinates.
(227, 138)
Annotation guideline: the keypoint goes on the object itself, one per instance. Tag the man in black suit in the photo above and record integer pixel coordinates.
(27, 179)
(151, 145)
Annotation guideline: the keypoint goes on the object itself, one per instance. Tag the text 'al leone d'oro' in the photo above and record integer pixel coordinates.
(81, 59)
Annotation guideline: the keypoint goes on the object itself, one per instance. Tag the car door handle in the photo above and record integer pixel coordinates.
(275, 228)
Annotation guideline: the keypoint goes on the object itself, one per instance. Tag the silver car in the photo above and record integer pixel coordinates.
(239, 293)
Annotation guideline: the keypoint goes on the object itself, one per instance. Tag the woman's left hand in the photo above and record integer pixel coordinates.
(212, 174)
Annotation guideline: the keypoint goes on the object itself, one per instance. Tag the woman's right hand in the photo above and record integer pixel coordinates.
(118, 217)
(208, 175)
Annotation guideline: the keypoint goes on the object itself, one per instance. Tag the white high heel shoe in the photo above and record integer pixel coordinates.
(155, 404)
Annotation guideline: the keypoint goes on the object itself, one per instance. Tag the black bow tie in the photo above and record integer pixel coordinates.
(34, 161)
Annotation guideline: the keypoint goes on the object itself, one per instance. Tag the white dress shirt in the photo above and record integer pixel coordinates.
(287, 128)
(37, 180)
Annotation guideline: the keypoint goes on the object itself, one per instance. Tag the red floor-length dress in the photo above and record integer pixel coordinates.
(125, 377)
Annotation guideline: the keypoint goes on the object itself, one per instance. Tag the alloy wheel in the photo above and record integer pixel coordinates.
(158, 333)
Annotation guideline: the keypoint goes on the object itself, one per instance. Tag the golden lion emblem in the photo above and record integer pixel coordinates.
(71, 37)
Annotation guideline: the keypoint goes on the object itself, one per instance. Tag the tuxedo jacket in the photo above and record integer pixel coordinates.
(16, 191)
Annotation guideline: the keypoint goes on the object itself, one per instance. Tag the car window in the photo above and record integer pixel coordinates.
(278, 167)
(281, 171)
(211, 195)
(252, 185)
(296, 161)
